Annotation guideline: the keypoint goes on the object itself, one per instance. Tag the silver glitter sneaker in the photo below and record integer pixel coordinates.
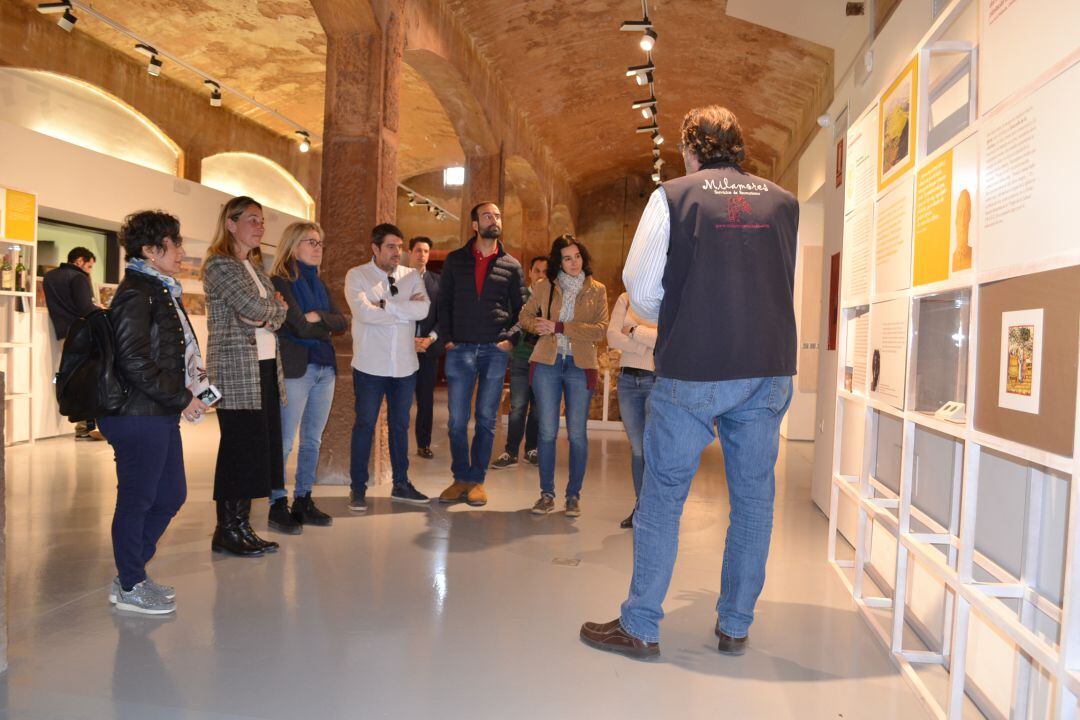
(166, 591)
(141, 599)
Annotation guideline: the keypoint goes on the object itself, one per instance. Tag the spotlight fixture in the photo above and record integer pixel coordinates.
(154, 66)
(648, 40)
(657, 163)
(644, 79)
(647, 108)
(640, 69)
(67, 20)
(215, 93)
(412, 200)
(824, 120)
(652, 127)
(636, 25)
(305, 140)
(656, 177)
(657, 138)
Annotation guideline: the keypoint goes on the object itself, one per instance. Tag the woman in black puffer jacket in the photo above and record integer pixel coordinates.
(158, 360)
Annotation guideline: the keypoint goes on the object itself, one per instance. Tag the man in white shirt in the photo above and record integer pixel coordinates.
(386, 300)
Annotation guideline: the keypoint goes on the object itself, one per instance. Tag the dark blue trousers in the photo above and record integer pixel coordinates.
(150, 487)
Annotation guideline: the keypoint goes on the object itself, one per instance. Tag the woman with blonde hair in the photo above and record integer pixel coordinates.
(243, 362)
(308, 360)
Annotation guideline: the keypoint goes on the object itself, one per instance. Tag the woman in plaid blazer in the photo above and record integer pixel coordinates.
(244, 363)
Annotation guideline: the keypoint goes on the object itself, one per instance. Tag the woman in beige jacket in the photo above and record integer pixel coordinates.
(634, 338)
(568, 311)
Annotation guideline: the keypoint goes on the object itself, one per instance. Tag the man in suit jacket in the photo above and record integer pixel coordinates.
(428, 347)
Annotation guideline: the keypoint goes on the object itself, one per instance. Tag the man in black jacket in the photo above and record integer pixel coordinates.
(428, 347)
(480, 296)
(69, 296)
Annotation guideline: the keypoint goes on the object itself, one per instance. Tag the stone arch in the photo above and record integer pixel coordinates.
(465, 112)
(243, 173)
(81, 113)
(530, 194)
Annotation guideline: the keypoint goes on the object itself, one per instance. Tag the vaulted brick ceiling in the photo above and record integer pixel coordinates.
(562, 64)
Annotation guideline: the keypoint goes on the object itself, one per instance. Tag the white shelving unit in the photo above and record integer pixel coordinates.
(896, 542)
(19, 311)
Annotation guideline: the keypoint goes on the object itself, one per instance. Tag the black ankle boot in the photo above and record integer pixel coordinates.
(228, 535)
(244, 520)
(305, 512)
(282, 520)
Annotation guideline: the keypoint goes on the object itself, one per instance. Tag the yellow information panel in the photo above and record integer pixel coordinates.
(933, 212)
(20, 215)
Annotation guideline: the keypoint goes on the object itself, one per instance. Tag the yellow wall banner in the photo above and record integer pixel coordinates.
(20, 217)
(933, 213)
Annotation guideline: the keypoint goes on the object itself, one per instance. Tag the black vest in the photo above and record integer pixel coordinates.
(728, 311)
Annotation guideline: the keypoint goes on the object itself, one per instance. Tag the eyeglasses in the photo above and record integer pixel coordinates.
(393, 286)
(314, 242)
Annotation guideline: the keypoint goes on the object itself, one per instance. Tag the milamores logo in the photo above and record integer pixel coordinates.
(739, 206)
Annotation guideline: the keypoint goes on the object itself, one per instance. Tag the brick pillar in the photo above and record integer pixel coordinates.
(483, 181)
(359, 181)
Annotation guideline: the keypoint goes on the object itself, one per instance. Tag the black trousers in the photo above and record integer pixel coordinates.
(426, 378)
(249, 461)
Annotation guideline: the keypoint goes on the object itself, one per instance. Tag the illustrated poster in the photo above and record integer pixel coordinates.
(944, 210)
(897, 124)
(1021, 360)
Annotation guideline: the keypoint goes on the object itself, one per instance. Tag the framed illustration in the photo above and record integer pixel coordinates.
(1021, 360)
(897, 123)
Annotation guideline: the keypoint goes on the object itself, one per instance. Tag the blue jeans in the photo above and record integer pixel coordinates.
(469, 365)
(522, 421)
(550, 383)
(634, 408)
(150, 487)
(308, 397)
(683, 419)
(369, 391)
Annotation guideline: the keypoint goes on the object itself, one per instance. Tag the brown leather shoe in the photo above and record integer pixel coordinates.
(729, 645)
(611, 637)
(477, 495)
(457, 492)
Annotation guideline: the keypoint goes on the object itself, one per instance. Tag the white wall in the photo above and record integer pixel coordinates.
(80, 185)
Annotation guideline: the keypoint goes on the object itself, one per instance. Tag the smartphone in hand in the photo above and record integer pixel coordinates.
(210, 395)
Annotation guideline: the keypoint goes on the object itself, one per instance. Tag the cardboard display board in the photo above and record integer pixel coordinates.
(892, 239)
(945, 205)
(1020, 40)
(1029, 154)
(1009, 403)
(888, 351)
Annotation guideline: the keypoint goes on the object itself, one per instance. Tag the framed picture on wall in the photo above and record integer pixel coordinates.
(897, 122)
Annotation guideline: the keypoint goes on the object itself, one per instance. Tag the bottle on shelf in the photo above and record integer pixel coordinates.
(22, 283)
(7, 274)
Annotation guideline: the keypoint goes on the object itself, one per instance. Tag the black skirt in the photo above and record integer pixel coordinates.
(249, 461)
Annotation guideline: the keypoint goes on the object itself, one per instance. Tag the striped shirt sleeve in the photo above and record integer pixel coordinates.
(643, 273)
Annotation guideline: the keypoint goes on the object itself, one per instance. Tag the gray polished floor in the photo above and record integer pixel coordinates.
(420, 612)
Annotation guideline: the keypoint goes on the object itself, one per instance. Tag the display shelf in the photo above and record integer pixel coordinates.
(914, 497)
(18, 246)
(12, 293)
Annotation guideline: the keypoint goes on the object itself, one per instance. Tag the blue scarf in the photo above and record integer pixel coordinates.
(139, 265)
(310, 294)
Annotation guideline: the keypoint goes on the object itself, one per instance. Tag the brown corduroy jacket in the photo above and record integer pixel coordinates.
(588, 327)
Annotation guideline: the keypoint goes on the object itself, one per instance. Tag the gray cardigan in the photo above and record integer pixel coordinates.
(232, 359)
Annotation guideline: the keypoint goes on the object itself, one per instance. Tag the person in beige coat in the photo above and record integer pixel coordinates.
(634, 338)
(568, 311)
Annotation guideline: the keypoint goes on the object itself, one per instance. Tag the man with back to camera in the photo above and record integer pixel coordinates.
(386, 299)
(69, 295)
(428, 347)
(714, 258)
(480, 296)
(522, 421)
